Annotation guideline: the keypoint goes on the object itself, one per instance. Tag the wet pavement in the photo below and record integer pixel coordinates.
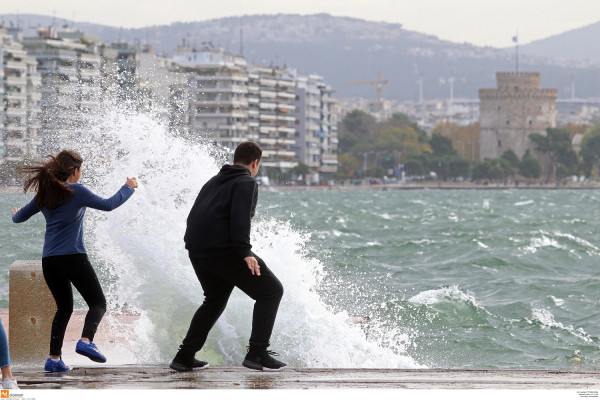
(161, 377)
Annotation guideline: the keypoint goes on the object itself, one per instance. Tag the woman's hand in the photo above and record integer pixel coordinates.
(14, 211)
(132, 182)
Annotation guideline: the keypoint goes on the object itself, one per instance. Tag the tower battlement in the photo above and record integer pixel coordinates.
(518, 92)
(518, 79)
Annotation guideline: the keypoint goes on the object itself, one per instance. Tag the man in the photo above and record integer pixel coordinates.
(218, 241)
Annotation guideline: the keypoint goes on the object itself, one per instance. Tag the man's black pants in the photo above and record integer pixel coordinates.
(218, 276)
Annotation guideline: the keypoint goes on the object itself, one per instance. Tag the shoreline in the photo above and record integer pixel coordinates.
(429, 186)
(384, 187)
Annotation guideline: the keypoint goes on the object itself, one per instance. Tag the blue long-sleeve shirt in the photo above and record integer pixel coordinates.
(64, 224)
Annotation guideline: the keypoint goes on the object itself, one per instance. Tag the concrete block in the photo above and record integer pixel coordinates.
(31, 310)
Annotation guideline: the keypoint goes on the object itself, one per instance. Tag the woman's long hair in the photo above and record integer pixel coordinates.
(48, 178)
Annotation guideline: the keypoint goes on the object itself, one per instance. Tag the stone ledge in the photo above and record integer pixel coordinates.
(161, 377)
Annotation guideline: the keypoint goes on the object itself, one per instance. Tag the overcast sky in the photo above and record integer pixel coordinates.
(481, 22)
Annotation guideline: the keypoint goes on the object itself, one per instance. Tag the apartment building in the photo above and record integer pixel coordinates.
(316, 127)
(273, 109)
(70, 76)
(20, 96)
(217, 93)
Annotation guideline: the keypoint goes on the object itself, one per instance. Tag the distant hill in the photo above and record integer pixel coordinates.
(349, 49)
(577, 44)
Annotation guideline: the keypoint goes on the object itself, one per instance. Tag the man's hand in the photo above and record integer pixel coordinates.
(253, 265)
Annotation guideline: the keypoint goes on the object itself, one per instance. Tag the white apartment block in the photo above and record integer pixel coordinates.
(316, 125)
(70, 71)
(217, 90)
(230, 102)
(276, 105)
(19, 101)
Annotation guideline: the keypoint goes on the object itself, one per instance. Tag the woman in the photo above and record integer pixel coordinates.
(8, 381)
(63, 202)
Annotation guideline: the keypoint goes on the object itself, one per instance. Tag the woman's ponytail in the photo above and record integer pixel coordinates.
(49, 178)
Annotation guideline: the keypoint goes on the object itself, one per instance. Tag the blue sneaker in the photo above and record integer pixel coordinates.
(90, 351)
(56, 366)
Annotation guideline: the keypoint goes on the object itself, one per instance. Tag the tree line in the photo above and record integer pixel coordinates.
(368, 148)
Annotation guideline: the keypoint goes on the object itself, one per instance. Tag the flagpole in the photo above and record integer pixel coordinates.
(517, 56)
(516, 40)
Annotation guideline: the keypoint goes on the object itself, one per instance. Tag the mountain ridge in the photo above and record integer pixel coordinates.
(330, 46)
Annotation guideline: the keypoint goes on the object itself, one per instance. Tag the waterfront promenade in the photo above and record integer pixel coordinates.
(161, 377)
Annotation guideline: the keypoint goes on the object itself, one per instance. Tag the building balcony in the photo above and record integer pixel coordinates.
(284, 129)
(235, 127)
(226, 78)
(286, 107)
(285, 153)
(16, 66)
(65, 69)
(267, 106)
(15, 96)
(286, 83)
(276, 141)
(89, 73)
(267, 129)
(15, 142)
(225, 114)
(266, 94)
(230, 89)
(286, 95)
(329, 159)
(16, 112)
(16, 127)
(89, 58)
(287, 118)
(268, 82)
(268, 117)
(15, 81)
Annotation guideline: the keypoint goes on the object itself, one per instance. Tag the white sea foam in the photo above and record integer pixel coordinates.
(544, 241)
(524, 203)
(485, 246)
(546, 319)
(140, 244)
(434, 296)
(558, 302)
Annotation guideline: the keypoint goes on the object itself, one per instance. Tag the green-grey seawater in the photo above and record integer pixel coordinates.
(455, 278)
(481, 279)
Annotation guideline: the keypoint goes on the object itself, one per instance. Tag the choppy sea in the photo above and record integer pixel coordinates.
(373, 279)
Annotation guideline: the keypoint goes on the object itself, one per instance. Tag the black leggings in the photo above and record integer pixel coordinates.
(218, 276)
(59, 273)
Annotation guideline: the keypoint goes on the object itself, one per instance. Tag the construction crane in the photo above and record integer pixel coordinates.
(379, 84)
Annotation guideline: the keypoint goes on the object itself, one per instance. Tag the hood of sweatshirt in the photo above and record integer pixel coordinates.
(229, 172)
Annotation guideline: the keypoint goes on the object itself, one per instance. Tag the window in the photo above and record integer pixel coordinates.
(499, 143)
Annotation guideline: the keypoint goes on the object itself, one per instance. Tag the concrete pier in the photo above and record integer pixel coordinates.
(32, 309)
(161, 377)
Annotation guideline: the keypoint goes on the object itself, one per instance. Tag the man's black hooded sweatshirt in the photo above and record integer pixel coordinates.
(219, 222)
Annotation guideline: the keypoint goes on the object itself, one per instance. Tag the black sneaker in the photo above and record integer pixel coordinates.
(262, 361)
(183, 367)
